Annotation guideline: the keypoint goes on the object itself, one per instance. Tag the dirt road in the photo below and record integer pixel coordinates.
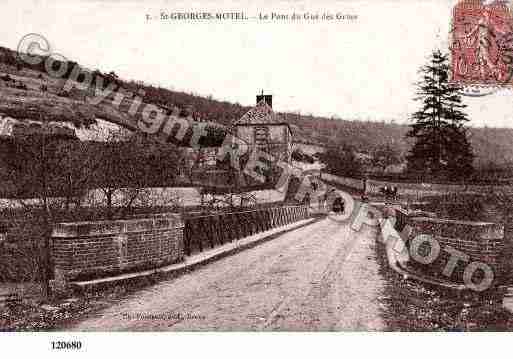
(320, 277)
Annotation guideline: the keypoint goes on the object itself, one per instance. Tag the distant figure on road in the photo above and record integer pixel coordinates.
(306, 199)
(364, 191)
(394, 193)
(322, 201)
(384, 191)
(390, 193)
(338, 205)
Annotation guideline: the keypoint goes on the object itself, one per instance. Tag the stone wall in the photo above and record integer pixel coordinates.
(411, 189)
(85, 250)
(90, 250)
(477, 242)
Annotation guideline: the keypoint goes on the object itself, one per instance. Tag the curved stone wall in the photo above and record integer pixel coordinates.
(460, 244)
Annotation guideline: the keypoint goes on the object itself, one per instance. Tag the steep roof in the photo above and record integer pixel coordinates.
(261, 114)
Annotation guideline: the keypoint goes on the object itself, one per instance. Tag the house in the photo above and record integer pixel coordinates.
(262, 129)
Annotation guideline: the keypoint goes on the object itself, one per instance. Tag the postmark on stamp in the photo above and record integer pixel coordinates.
(481, 46)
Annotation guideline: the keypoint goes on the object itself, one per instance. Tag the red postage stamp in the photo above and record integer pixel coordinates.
(482, 43)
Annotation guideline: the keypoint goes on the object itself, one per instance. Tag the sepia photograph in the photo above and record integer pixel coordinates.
(292, 167)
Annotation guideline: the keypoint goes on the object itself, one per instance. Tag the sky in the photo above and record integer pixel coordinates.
(363, 69)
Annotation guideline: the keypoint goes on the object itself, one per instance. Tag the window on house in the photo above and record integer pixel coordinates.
(277, 134)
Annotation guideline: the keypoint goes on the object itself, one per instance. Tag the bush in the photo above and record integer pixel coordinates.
(341, 161)
(458, 206)
(22, 254)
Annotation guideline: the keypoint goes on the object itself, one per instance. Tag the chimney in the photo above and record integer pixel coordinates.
(267, 98)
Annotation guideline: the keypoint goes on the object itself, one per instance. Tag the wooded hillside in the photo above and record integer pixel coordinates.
(493, 146)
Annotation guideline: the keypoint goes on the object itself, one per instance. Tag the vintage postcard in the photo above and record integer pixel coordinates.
(289, 166)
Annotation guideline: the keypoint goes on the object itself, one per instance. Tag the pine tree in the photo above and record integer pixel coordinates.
(441, 146)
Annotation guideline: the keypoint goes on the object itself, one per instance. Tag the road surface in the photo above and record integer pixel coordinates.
(320, 277)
